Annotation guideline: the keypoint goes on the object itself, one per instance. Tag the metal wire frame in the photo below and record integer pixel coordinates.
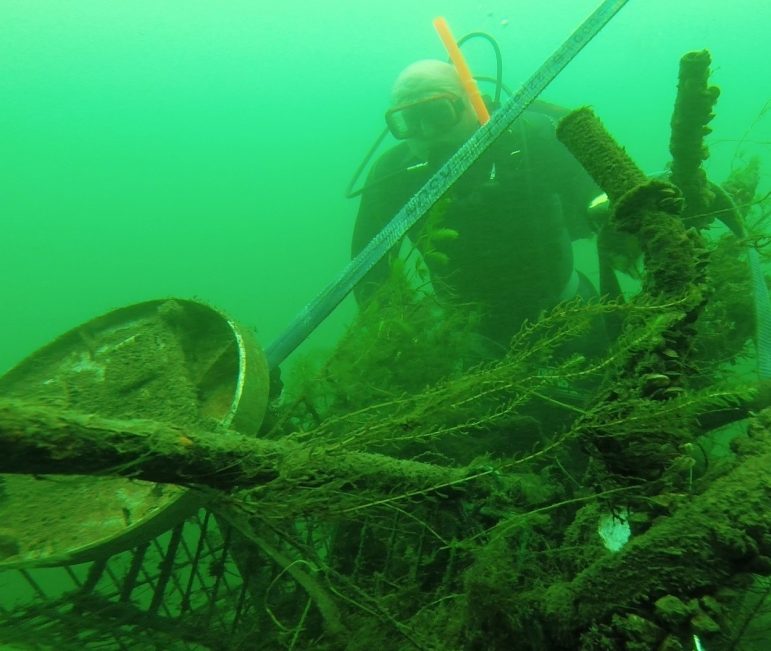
(183, 584)
(184, 590)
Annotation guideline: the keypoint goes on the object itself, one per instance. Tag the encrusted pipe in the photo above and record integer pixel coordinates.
(601, 156)
(690, 119)
(651, 210)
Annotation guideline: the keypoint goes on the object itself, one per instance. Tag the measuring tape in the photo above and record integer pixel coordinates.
(319, 308)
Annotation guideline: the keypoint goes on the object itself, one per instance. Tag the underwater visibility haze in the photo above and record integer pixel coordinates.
(576, 474)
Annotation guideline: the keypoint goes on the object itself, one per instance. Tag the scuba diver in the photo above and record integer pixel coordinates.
(515, 210)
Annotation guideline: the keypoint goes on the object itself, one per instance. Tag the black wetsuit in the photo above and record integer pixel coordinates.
(515, 210)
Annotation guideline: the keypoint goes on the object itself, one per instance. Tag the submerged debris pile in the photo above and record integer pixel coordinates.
(408, 494)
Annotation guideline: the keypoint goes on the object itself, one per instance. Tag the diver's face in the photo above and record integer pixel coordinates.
(434, 125)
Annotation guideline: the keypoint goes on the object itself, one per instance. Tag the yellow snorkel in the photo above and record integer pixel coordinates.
(469, 84)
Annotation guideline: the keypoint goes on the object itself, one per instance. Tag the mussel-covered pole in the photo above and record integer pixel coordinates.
(649, 209)
(675, 280)
(690, 124)
(600, 155)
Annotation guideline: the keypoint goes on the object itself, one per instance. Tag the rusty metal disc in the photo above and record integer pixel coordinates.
(175, 361)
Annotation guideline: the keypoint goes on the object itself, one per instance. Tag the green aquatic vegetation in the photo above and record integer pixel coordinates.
(742, 184)
(445, 392)
(428, 243)
(725, 328)
(402, 341)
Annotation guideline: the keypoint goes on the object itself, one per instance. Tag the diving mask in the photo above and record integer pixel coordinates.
(425, 118)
